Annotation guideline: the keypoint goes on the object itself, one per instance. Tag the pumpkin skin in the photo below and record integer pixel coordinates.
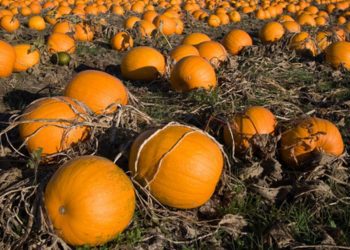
(89, 201)
(182, 51)
(37, 23)
(83, 33)
(271, 32)
(291, 26)
(63, 27)
(181, 165)
(59, 42)
(143, 63)
(192, 72)
(213, 52)
(255, 120)
(26, 57)
(122, 41)
(165, 24)
(310, 135)
(303, 44)
(98, 90)
(61, 138)
(236, 40)
(9, 23)
(338, 54)
(7, 59)
(195, 38)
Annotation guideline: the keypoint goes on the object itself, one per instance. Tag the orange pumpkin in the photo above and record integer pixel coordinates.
(271, 32)
(291, 26)
(234, 16)
(59, 42)
(37, 23)
(236, 40)
(214, 21)
(149, 15)
(83, 33)
(182, 51)
(7, 59)
(303, 44)
(63, 27)
(143, 63)
(122, 41)
(213, 52)
(61, 134)
(180, 165)
(130, 22)
(165, 24)
(192, 72)
(9, 23)
(145, 28)
(26, 57)
(255, 120)
(89, 201)
(98, 90)
(306, 20)
(338, 55)
(308, 136)
(195, 38)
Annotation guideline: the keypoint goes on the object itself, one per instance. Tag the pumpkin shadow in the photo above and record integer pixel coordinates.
(83, 67)
(114, 70)
(18, 99)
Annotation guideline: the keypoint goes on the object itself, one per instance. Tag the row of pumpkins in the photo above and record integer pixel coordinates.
(180, 165)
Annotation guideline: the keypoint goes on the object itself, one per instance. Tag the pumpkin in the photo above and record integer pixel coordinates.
(291, 26)
(213, 52)
(122, 41)
(195, 38)
(255, 120)
(192, 72)
(9, 23)
(89, 201)
(236, 40)
(7, 59)
(179, 26)
(149, 15)
(182, 51)
(309, 136)
(303, 44)
(180, 165)
(83, 33)
(61, 134)
(271, 32)
(37, 23)
(130, 22)
(63, 27)
(338, 55)
(306, 20)
(26, 57)
(143, 63)
(165, 24)
(98, 90)
(145, 28)
(214, 21)
(59, 42)
(234, 16)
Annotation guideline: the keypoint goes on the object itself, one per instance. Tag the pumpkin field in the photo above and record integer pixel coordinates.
(174, 124)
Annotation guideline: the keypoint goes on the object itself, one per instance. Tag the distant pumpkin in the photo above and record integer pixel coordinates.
(236, 40)
(36, 23)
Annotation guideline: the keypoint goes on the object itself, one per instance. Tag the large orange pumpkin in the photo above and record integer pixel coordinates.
(212, 51)
(143, 63)
(236, 40)
(271, 32)
(192, 72)
(308, 136)
(26, 57)
(338, 55)
(59, 42)
(195, 38)
(98, 90)
(51, 134)
(182, 51)
(122, 41)
(89, 201)
(255, 120)
(180, 165)
(7, 59)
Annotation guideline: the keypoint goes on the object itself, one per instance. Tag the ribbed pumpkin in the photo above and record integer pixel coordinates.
(89, 201)
(236, 40)
(180, 165)
(182, 51)
(7, 59)
(122, 41)
(143, 63)
(37, 23)
(271, 32)
(26, 57)
(195, 38)
(255, 120)
(213, 52)
(310, 135)
(338, 55)
(214, 21)
(59, 42)
(98, 90)
(9, 23)
(165, 24)
(192, 72)
(303, 44)
(291, 26)
(52, 135)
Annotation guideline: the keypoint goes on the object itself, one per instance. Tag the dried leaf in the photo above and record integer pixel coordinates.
(281, 236)
(272, 194)
(233, 224)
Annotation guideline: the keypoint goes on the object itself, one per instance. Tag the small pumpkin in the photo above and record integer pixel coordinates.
(213, 52)
(83, 33)
(291, 26)
(89, 201)
(62, 134)
(59, 42)
(26, 57)
(338, 55)
(7, 59)
(303, 44)
(165, 24)
(192, 72)
(180, 165)
(64, 27)
(309, 136)
(122, 41)
(214, 21)
(255, 120)
(36, 23)
(182, 51)
(98, 90)
(236, 40)
(271, 32)
(9, 23)
(195, 38)
(143, 63)
(145, 28)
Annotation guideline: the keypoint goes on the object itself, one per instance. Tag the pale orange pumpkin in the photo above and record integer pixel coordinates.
(89, 201)
(309, 136)
(180, 165)
(213, 52)
(236, 40)
(7, 59)
(98, 90)
(26, 57)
